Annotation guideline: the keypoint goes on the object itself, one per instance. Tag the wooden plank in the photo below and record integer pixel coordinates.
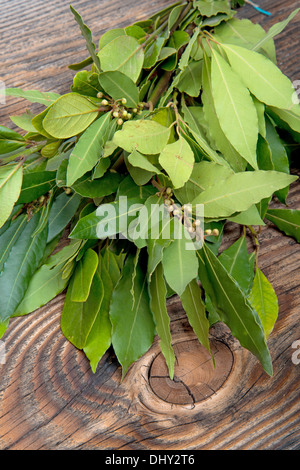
(50, 399)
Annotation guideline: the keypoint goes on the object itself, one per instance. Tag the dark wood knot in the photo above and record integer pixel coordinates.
(196, 378)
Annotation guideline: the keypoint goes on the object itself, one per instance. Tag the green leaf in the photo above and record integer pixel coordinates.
(9, 237)
(190, 81)
(179, 262)
(235, 260)
(279, 157)
(86, 83)
(235, 109)
(83, 276)
(152, 53)
(290, 116)
(178, 161)
(240, 191)
(36, 184)
(10, 140)
(70, 115)
(233, 307)
(86, 33)
(61, 213)
(123, 54)
(148, 137)
(34, 96)
(78, 318)
(264, 300)
(243, 32)
(11, 177)
(263, 78)
(24, 258)
(204, 175)
(212, 8)
(138, 160)
(47, 282)
(118, 85)
(133, 332)
(3, 327)
(250, 216)
(275, 30)
(93, 188)
(158, 294)
(195, 309)
(99, 338)
(112, 218)
(157, 244)
(87, 150)
(215, 133)
(110, 35)
(80, 65)
(287, 220)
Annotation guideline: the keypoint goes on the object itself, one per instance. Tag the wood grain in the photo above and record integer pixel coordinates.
(50, 399)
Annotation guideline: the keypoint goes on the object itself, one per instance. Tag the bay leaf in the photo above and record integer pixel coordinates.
(123, 54)
(99, 338)
(83, 276)
(235, 260)
(240, 191)
(78, 318)
(233, 307)
(70, 115)
(47, 282)
(11, 177)
(146, 136)
(179, 263)
(287, 220)
(235, 109)
(133, 332)
(86, 33)
(36, 184)
(23, 260)
(264, 300)
(62, 211)
(158, 295)
(263, 78)
(118, 85)
(214, 132)
(88, 149)
(195, 309)
(177, 159)
(34, 96)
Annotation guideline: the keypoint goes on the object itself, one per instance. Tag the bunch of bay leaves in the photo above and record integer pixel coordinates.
(186, 108)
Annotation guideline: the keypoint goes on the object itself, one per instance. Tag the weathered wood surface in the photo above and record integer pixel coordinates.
(50, 399)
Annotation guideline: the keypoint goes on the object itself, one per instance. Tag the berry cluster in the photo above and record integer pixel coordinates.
(119, 109)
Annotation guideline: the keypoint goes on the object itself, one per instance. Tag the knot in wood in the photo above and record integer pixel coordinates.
(196, 378)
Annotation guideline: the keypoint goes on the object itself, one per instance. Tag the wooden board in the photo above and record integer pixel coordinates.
(50, 399)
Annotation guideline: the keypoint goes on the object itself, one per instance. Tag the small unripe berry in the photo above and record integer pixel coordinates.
(169, 191)
(208, 232)
(124, 101)
(129, 115)
(104, 102)
(197, 223)
(115, 114)
(68, 190)
(176, 212)
(141, 105)
(190, 230)
(100, 94)
(215, 232)
(124, 113)
(188, 209)
(120, 122)
(135, 110)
